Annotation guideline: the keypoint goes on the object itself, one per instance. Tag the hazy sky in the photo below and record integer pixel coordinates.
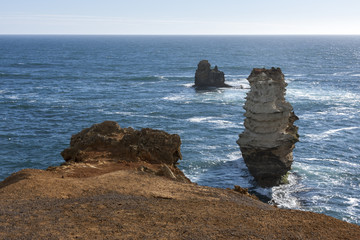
(179, 17)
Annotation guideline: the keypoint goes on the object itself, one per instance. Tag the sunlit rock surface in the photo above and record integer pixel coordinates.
(270, 136)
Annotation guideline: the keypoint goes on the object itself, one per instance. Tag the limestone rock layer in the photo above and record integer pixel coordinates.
(270, 135)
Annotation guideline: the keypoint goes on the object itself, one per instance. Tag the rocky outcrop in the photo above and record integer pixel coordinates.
(106, 190)
(157, 151)
(207, 77)
(123, 204)
(270, 135)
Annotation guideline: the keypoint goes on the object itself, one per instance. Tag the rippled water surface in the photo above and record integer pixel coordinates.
(53, 86)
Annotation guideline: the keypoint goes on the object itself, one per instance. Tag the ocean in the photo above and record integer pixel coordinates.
(54, 86)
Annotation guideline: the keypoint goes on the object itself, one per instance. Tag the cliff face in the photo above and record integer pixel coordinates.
(269, 136)
(207, 77)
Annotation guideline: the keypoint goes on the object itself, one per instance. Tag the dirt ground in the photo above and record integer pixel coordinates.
(124, 201)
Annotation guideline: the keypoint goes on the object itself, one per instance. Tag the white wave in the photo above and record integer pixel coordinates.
(323, 95)
(242, 82)
(349, 112)
(323, 201)
(210, 147)
(154, 116)
(307, 116)
(312, 159)
(352, 209)
(194, 172)
(296, 75)
(174, 98)
(308, 170)
(200, 119)
(234, 155)
(125, 113)
(321, 74)
(188, 85)
(341, 162)
(13, 97)
(321, 159)
(353, 202)
(220, 95)
(329, 133)
(223, 123)
(341, 73)
(283, 195)
(161, 77)
(133, 114)
(193, 175)
(218, 122)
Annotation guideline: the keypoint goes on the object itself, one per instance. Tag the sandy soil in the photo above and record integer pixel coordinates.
(129, 201)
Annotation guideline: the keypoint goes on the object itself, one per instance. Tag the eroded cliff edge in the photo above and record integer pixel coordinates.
(104, 191)
(107, 145)
(270, 134)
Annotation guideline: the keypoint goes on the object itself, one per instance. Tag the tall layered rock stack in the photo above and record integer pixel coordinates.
(207, 77)
(270, 135)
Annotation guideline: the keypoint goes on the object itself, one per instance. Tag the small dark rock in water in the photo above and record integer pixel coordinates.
(207, 77)
(270, 135)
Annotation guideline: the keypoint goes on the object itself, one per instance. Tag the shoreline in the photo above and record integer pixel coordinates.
(120, 183)
(73, 202)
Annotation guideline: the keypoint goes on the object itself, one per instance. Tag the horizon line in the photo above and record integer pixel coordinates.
(157, 34)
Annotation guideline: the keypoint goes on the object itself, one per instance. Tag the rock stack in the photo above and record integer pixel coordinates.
(148, 145)
(207, 77)
(269, 136)
(107, 143)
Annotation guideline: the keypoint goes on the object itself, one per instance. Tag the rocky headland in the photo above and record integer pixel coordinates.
(207, 77)
(108, 144)
(270, 134)
(121, 183)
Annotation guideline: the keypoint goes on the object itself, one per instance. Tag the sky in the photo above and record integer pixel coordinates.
(180, 17)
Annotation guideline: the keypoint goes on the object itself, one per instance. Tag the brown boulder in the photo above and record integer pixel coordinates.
(109, 140)
(107, 147)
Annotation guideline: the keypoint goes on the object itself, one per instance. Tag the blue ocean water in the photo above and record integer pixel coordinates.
(54, 86)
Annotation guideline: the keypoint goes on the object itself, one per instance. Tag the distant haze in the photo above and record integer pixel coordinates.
(180, 17)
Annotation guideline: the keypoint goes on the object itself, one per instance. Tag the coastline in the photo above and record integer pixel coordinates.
(133, 204)
(115, 185)
(69, 83)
